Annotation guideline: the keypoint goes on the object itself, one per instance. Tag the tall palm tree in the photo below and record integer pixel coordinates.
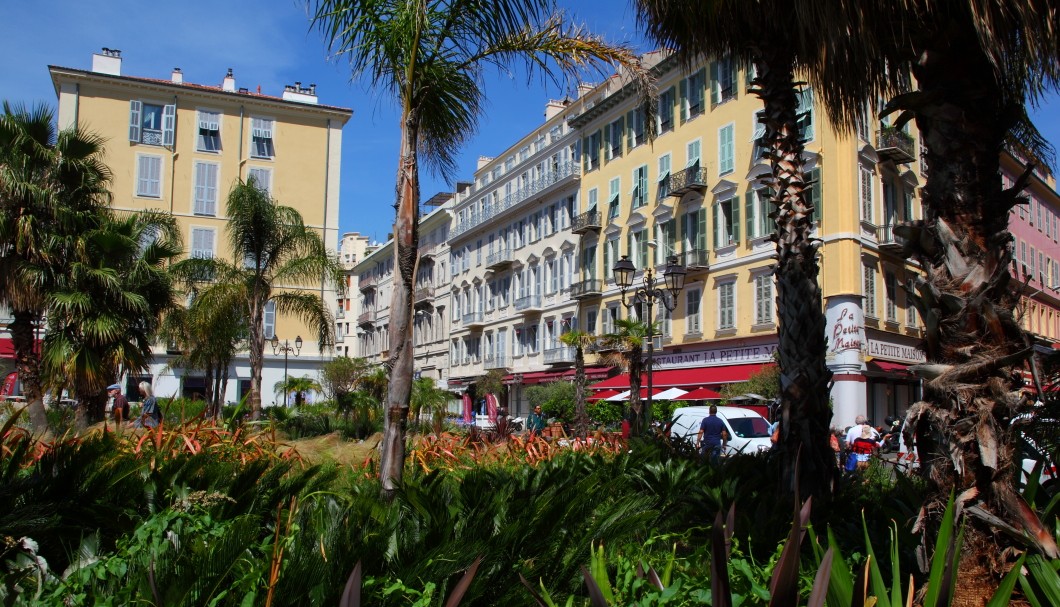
(103, 314)
(429, 54)
(580, 341)
(777, 39)
(278, 254)
(627, 345)
(52, 185)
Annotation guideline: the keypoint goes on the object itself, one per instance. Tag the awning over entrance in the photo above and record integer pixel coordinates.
(603, 394)
(621, 396)
(7, 347)
(702, 394)
(688, 378)
(885, 367)
(544, 377)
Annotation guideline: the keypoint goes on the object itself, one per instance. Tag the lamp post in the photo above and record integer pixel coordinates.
(286, 349)
(674, 280)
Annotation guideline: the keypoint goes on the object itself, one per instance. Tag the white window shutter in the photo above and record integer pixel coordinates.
(200, 189)
(169, 124)
(211, 189)
(135, 107)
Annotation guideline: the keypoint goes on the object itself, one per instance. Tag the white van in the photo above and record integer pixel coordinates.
(748, 431)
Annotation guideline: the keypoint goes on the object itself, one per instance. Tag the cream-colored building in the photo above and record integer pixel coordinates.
(375, 284)
(513, 260)
(698, 191)
(179, 147)
(353, 248)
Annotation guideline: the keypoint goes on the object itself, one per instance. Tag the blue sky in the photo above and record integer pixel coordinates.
(268, 43)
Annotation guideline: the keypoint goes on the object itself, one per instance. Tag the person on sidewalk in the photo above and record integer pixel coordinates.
(120, 408)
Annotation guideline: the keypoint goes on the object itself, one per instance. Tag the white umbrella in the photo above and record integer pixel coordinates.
(671, 394)
(620, 396)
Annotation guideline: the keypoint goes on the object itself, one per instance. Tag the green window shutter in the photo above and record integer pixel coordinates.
(701, 221)
(621, 129)
(585, 155)
(681, 231)
(717, 226)
(607, 259)
(736, 219)
(816, 198)
(629, 246)
(748, 207)
(607, 140)
(683, 115)
(631, 139)
(701, 81)
(715, 86)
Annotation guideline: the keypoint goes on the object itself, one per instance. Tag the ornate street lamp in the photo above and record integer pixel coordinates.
(674, 280)
(286, 349)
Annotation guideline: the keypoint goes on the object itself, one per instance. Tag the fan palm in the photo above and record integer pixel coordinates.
(426, 396)
(429, 54)
(52, 185)
(276, 253)
(580, 341)
(104, 313)
(627, 344)
(298, 386)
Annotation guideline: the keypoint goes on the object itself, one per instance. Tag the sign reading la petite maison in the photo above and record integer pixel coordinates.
(739, 353)
(897, 352)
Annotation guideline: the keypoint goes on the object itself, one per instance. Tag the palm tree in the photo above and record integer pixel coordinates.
(427, 396)
(777, 39)
(627, 342)
(207, 338)
(430, 54)
(277, 253)
(52, 185)
(103, 315)
(299, 386)
(580, 341)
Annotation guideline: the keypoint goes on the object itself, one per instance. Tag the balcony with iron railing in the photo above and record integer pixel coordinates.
(559, 356)
(895, 145)
(498, 361)
(498, 259)
(586, 222)
(528, 304)
(561, 174)
(340, 312)
(473, 320)
(888, 240)
(365, 319)
(692, 179)
(696, 259)
(423, 294)
(590, 287)
(428, 251)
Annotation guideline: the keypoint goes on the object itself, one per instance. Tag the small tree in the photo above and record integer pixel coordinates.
(299, 386)
(342, 375)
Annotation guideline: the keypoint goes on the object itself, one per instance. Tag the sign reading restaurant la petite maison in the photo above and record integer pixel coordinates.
(736, 352)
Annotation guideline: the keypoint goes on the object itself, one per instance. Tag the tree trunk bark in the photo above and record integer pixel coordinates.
(809, 463)
(27, 363)
(257, 355)
(581, 420)
(406, 241)
(636, 415)
(221, 391)
(968, 299)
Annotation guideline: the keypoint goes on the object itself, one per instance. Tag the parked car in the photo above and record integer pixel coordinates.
(748, 431)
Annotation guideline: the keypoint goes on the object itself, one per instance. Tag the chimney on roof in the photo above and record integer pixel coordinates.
(178, 76)
(108, 61)
(229, 82)
(295, 92)
(584, 89)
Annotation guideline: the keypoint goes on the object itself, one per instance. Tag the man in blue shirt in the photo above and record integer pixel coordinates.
(712, 436)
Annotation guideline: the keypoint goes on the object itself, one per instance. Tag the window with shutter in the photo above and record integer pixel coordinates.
(696, 83)
(149, 176)
(805, 114)
(613, 199)
(726, 150)
(763, 299)
(261, 178)
(693, 318)
(727, 305)
(135, 109)
(202, 243)
(151, 124)
(209, 139)
(664, 176)
(869, 290)
(261, 138)
(814, 193)
(666, 111)
(867, 207)
(268, 320)
(205, 188)
(169, 125)
(760, 146)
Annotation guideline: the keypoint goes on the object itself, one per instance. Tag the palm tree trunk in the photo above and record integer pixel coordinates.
(257, 358)
(581, 420)
(406, 240)
(809, 463)
(636, 415)
(27, 363)
(968, 299)
(222, 389)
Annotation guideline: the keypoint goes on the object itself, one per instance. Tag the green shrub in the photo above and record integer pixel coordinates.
(556, 399)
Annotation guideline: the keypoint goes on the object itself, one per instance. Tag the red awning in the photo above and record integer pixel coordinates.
(889, 368)
(701, 394)
(603, 394)
(591, 372)
(695, 377)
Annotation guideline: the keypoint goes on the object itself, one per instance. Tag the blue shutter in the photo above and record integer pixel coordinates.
(750, 217)
(717, 226)
(681, 103)
(701, 229)
(135, 108)
(735, 219)
(816, 199)
(169, 124)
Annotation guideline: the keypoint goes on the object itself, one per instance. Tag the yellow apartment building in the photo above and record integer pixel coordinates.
(698, 192)
(179, 147)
